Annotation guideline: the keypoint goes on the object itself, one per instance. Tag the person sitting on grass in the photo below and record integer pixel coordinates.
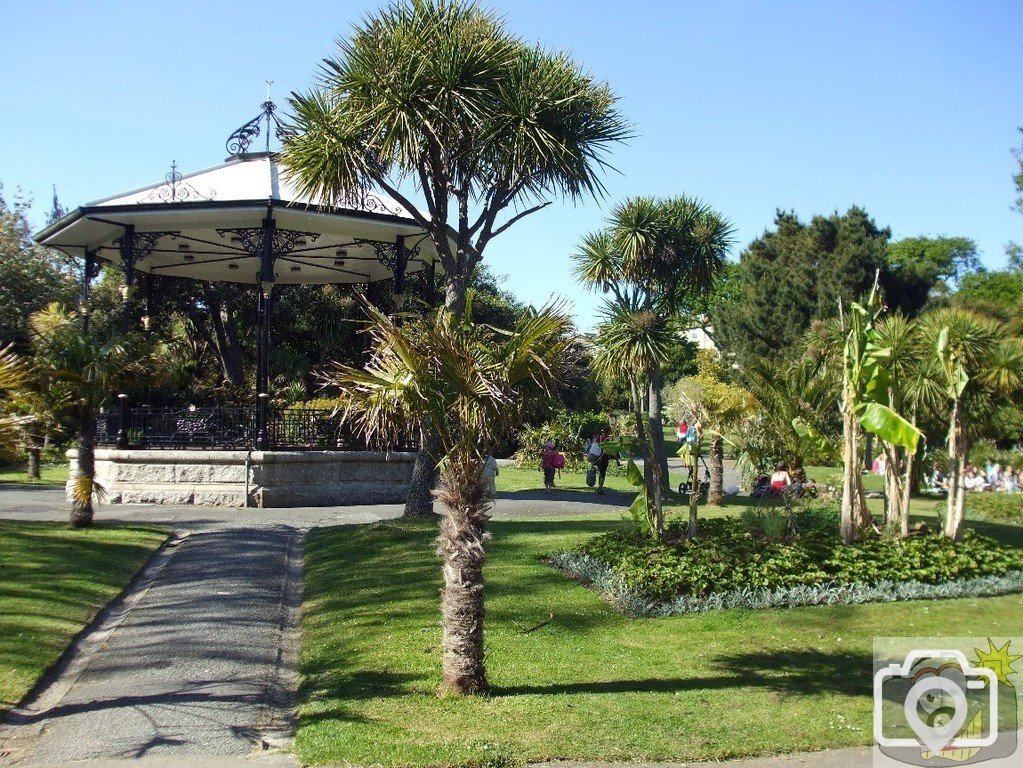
(781, 479)
(762, 488)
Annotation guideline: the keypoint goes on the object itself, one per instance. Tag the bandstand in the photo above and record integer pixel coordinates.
(244, 222)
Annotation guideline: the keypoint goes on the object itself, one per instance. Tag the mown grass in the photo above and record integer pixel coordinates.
(50, 474)
(53, 581)
(592, 684)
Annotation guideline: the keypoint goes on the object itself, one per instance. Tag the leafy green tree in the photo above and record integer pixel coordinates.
(473, 385)
(721, 406)
(30, 277)
(651, 257)
(998, 294)
(920, 267)
(439, 96)
(796, 274)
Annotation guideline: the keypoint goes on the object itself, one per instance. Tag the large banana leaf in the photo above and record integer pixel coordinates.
(889, 425)
(634, 475)
(820, 443)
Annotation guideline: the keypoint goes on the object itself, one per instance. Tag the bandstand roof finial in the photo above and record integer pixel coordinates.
(238, 142)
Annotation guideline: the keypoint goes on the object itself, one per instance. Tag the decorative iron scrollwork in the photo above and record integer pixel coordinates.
(174, 191)
(238, 143)
(92, 266)
(387, 253)
(370, 202)
(284, 240)
(144, 243)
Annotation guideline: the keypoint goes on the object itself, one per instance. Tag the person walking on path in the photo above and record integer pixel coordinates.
(600, 458)
(550, 461)
(490, 473)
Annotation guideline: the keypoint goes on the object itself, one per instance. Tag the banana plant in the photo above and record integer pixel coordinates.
(866, 405)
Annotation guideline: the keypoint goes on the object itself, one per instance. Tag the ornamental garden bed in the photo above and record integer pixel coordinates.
(764, 559)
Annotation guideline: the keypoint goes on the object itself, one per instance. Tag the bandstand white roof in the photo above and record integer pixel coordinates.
(201, 226)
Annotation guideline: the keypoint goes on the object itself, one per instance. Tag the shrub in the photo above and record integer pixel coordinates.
(613, 588)
(1004, 507)
(728, 557)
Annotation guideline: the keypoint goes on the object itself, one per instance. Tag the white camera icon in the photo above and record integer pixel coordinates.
(937, 736)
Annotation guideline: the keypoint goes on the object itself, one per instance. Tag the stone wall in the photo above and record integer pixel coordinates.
(251, 478)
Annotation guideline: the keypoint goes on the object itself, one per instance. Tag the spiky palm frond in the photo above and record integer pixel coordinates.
(632, 339)
(472, 384)
(13, 375)
(440, 90)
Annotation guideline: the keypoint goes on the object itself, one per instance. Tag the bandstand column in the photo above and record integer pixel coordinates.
(266, 284)
(128, 264)
(88, 273)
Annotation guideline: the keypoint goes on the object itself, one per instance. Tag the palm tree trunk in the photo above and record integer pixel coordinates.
(907, 491)
(656, 421)
(81, 504)
(419, 499)
(957, 476)
(694, 490)
(716, 494)
(34, 451)
(895, 510)
(461, 545)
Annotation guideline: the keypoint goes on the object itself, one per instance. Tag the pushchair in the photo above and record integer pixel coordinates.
(685, 485)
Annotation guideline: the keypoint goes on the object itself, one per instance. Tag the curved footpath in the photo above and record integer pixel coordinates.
(196, 663)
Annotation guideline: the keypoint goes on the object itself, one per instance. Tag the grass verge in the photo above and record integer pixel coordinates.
(53, 581)
(592, 684)
(50, 474)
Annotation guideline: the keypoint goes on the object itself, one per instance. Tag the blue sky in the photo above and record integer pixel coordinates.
(909, 110)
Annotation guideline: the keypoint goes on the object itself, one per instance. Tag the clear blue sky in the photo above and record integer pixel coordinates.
(909, 110)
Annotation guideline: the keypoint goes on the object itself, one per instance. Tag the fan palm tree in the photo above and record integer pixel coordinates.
(652, 259)
(472, 385)
(77, 376)
(13, 375)
(980, 367)
(439, 97)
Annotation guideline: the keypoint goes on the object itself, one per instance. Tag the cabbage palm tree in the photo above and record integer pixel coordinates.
(980, 367)
(77, 375)
(438, 98)
(472, 385)
(652, 260)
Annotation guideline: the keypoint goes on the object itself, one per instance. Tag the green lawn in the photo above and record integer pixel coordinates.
(513, 479)
(53, 581)
(592, 684)
(50, 475)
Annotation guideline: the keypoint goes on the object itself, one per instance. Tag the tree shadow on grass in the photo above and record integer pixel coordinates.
(788, 673)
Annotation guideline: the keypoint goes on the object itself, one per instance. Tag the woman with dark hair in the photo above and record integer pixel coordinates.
(781, 479)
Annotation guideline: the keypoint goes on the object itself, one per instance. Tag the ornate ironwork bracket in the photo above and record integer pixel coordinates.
(370, 202)
(238, 142)
(143, 244)
(92, 267)
(387, 253)
(174, 191)
(284, 240)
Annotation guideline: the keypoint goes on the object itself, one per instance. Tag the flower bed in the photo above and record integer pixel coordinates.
(745, 563)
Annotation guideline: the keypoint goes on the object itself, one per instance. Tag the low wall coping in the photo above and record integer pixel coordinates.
(177, 456)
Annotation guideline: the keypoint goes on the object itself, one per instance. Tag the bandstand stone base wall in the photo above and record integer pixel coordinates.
(251, 478)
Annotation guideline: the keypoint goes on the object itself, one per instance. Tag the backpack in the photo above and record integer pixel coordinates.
(591, 475)
(558, 460)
